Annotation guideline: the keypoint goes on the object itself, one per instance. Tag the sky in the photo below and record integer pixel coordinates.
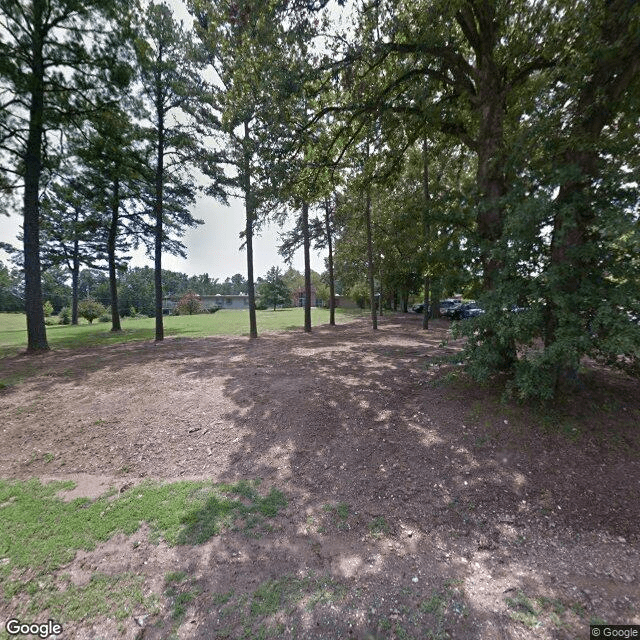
(213, 247)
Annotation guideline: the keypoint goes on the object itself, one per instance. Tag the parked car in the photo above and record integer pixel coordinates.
(467, 310)
(419, 308)
(448, 306)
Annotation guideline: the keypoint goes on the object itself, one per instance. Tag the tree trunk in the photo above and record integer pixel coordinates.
(75, 275)
(597, 105)
(332, 283)
(491, 182)
(426, 233)
(158, 206)
(250, 213)
(370, 270)
(36, 330)
(380, 304)
(307, 266)
(111, 255)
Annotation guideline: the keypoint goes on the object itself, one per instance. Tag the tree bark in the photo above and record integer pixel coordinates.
(158, 206)
(426, 233)
(111, 256)
(332, 283)
(380, 292)
(36, 330)
(597, 105)
(250, 213)
(370, 269)
(75, 275)
(307, 266)
(490, 176)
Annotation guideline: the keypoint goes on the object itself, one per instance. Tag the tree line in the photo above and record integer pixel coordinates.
(479, 146)
(136, 293)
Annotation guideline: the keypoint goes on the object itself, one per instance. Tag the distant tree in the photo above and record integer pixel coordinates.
(93, 283)
(54, 56)
(55, 287)
(90, 309)
(47, 307)
(68, 232)
(170, 78)
(239, 284)
(113, 168)
(293, 279)
(189, 304)
(11, 288)
(273, 291)
(136, 289)
(248, 47)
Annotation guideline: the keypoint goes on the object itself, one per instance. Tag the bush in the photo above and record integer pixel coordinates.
(213, 309)
(90, 309)
(65, 315)
(47, 307)
(189, 304)
(106, 316)
(52, 321)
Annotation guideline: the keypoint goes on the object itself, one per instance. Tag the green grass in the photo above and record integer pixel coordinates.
(535, 612)
(40, 533)
(13, 333)
(339, 514)
(113, 596)
(257, 612)
(179, 593)
(379, 527)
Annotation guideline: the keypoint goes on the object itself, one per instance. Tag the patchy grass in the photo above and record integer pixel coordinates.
(338, 515)
(379, 527)
(13, 333)
(181, 592)
(40, 533)
(263, 612)
(542, 611)
(113, 596)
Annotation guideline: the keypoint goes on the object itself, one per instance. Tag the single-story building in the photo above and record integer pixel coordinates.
(218, 301)
(298, 297)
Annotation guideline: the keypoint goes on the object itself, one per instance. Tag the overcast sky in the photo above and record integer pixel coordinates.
(213, 247)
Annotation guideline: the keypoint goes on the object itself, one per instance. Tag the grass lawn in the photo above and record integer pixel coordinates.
(13, 333)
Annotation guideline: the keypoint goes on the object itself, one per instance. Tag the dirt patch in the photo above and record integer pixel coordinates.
(419, 504)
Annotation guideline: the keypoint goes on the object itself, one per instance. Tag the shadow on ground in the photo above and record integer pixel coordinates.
(419, 505)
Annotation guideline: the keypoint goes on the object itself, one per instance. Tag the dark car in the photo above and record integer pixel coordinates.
(467, 310)
(448, 306)
(419, 308)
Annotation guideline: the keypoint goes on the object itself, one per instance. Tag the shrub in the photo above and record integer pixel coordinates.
(47, 307)
(213, 309)
(65, 315)
(90, 309)
(52, 321)
(106, 316)
(189, 304)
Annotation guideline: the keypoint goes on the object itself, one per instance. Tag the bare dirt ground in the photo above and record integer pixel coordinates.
(462, 517)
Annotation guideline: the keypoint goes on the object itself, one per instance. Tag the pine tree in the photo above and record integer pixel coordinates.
(170, 81)
(54, 56)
